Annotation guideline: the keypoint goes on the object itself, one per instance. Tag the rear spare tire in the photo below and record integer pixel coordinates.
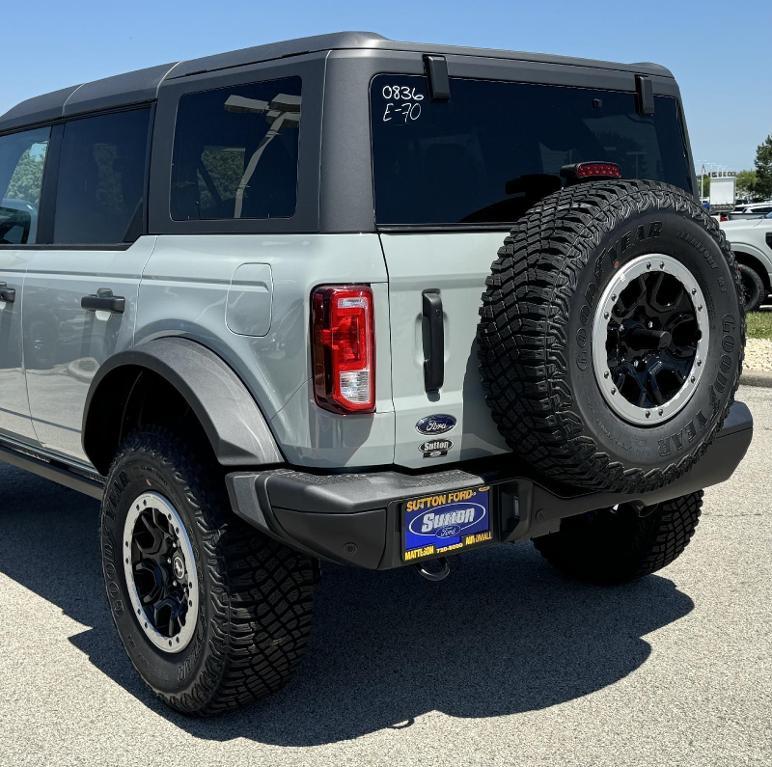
(611, 335)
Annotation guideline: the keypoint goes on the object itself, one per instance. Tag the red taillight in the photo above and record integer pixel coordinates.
(343, 352)
(598, 170)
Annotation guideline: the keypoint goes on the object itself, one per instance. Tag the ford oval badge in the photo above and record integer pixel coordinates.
(435, 424)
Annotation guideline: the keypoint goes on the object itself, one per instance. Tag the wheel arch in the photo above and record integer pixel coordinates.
(182, 372)
(743, 256)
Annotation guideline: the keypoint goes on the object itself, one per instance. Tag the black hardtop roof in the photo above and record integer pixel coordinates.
(143, 84)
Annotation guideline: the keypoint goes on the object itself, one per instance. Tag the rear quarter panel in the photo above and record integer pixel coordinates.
(192, 282)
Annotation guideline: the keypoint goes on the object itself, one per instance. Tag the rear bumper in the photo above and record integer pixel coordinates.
(355, 518)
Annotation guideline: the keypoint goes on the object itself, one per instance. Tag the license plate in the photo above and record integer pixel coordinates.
(445, 522)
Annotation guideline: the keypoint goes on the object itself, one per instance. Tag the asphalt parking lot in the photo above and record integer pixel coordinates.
(505, 663)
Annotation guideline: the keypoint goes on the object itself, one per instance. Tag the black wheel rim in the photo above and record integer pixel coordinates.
(652, 339)
(159, 566)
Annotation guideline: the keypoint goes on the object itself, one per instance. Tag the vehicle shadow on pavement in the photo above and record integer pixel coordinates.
(503, 634)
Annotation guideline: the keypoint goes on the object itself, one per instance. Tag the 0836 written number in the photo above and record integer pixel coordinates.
(403, 103)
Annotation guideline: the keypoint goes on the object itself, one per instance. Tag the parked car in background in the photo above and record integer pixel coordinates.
(751, 210)
(751, 242)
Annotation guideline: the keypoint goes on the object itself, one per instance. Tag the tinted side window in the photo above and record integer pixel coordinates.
(236, 152)
(22, 160)
(100, 197)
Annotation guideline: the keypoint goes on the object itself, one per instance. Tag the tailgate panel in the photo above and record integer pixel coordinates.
(456, 264)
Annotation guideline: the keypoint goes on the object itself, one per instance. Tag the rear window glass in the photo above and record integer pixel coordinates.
(494, 148)
(236, 152)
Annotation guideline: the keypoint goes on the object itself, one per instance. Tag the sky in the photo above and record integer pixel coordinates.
(720, 53)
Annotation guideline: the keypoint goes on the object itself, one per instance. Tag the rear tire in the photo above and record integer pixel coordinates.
(617, 545)
(249, 597)
(753, 287)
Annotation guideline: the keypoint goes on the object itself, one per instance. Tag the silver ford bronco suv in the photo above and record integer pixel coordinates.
(344, 299)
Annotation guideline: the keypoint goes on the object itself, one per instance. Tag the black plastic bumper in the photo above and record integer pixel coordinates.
(355, 518)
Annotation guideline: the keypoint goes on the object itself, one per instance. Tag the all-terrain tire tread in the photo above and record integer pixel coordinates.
(260, 590)
(522, 334)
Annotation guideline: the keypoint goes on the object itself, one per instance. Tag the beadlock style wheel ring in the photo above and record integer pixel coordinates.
(160, 572)
(650, 339)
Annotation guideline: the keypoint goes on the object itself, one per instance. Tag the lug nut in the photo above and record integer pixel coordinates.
(613, 391)
(648, 414)
(661, 264)
(660, 411)
(648, 266)
(605, 375)
(692, 379)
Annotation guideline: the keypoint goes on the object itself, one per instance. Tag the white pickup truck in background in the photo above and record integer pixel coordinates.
(751, 242)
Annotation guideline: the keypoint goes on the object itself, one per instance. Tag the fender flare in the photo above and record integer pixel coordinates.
(232, 421)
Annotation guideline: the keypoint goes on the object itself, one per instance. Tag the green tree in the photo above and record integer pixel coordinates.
(746, 183)
(763, 186)
(27, 178)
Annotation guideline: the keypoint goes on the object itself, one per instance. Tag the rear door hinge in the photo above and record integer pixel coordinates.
(644, 95)
(439, 81)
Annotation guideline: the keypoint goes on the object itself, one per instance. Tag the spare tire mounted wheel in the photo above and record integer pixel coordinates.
(612, 335)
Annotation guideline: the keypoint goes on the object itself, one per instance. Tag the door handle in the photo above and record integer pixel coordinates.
(434, 341)
(6, 293)
(103, 301)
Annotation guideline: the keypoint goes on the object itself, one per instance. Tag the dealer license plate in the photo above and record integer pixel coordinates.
(442, 523)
